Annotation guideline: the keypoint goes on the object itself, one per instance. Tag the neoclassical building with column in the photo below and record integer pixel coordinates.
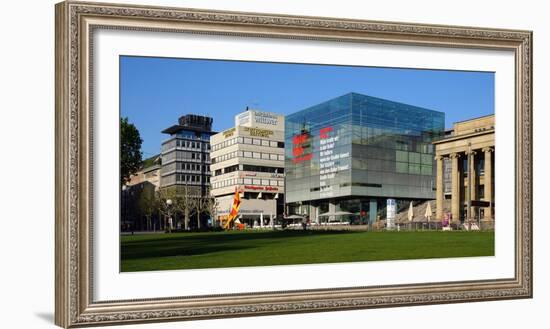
(465, 171)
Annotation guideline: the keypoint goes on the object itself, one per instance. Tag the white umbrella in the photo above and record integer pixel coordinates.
(410, 213)
(294, 217)
(337, 213)
(428, 213)
(262, 220)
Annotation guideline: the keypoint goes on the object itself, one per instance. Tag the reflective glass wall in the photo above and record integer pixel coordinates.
(357, 145)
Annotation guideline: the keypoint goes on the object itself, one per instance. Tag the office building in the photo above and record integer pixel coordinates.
(185, 155)
(138, 196)
(354, 154)
(249, 158)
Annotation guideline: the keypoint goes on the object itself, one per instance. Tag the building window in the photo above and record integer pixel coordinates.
(481, 167)
(426, 170)
(231, 169)
(414, 169)
(427, 159)
(414, 157)
(402, 167)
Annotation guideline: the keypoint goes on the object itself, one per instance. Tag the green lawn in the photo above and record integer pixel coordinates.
(258, 248)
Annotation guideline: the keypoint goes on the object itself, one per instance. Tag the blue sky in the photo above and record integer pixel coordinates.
(155, 92)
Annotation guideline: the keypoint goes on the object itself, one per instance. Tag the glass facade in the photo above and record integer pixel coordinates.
(357, 145)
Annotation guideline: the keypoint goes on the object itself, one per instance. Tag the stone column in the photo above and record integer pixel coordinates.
(471, 193)
(313, 215)
(455, 190)
(488, 181)
(474, 174)
(439, 188)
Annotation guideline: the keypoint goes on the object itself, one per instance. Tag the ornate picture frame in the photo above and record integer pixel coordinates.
(75, 24)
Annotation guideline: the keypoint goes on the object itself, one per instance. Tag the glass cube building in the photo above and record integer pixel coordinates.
(354, 152)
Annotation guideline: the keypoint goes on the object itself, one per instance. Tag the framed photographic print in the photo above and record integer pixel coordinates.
(216, 164)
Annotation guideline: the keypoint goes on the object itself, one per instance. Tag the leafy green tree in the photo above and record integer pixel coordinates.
(210, 207)
(130, 150)
(147, 204)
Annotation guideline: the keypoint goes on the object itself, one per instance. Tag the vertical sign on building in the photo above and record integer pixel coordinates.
(329, 161)
(390, 213)
(301, 147)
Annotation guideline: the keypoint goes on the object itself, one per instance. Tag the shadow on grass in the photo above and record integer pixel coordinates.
(170, 250)
(186, 244)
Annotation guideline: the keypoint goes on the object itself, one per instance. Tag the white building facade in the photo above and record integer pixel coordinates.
(249, 158)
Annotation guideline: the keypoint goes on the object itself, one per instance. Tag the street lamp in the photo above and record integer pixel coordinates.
(169, 211)
(124, 203)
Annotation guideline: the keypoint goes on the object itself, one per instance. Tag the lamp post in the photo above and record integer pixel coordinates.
(124, 204)
(169, 211)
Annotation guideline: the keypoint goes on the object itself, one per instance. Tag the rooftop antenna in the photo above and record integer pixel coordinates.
(304, 125)
(255, 104)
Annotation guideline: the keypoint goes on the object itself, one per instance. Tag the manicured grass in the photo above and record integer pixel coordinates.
(258, 248)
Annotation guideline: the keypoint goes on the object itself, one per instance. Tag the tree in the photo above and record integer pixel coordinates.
(185, 204)
(200, 205)
(130, 150)
(210, 207)
(164, 208)
(147, 204)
